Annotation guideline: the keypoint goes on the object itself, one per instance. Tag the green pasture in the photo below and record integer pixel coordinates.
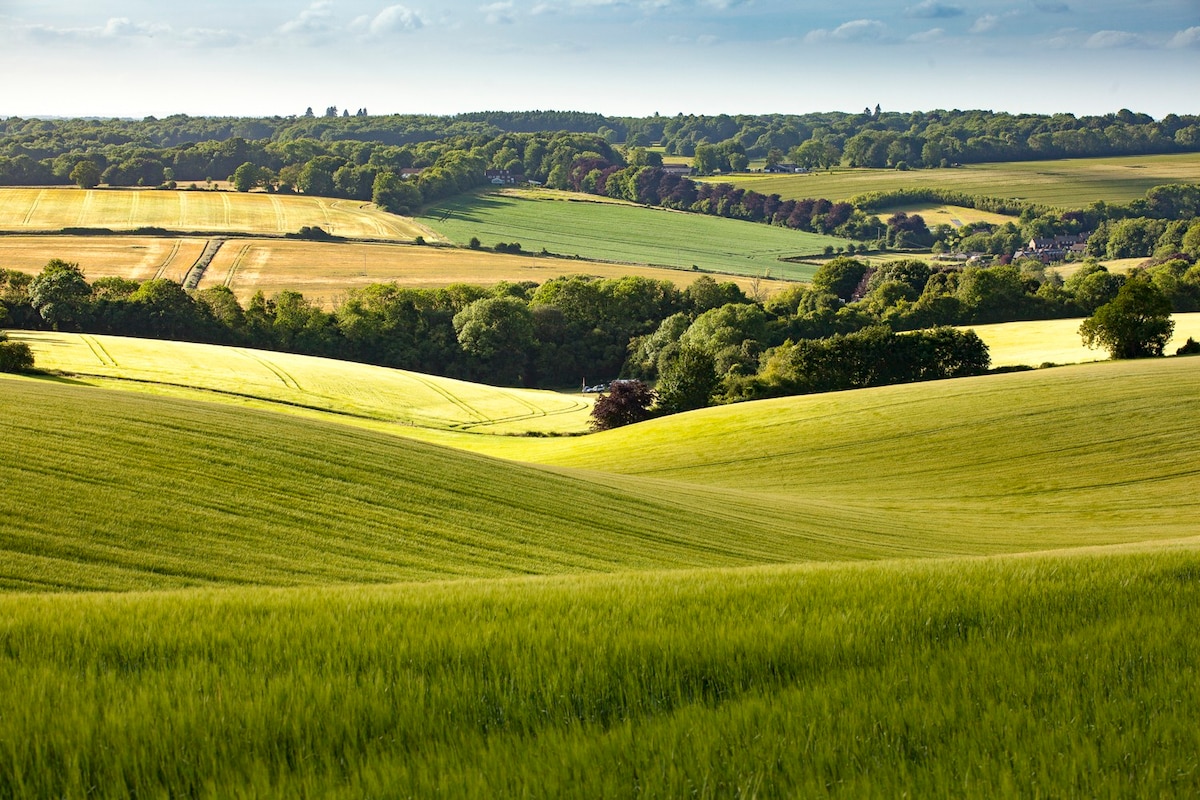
(1069, 183)
(283, 381)
(1052, 676)
(210, 600)
(625, 232)
(29, 210)
(166, 492)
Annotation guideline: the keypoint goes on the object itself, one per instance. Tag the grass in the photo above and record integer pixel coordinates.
(257, 378)
(48, 210)
(1057, 341)
(627, 233)
(200, 599)
(138, 258)
(329, 271)
(166, 492)
(1070, 675)
(1070, 183)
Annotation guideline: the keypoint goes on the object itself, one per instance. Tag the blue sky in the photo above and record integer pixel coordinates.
(620, 57)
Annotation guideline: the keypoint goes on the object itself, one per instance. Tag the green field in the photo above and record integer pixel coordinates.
(627, 233)
(368, 395)
(990, 465)
(50, 210)
(1064, 676)
(1071, 183)
(211, 599)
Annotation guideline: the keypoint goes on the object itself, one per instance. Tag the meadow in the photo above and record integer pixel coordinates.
(206, 599)
(167, 492)
(628, 233)
(1063, 675)
(25, 210)
(1069, 183)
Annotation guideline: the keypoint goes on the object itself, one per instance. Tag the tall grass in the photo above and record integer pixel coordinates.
(1050, 676)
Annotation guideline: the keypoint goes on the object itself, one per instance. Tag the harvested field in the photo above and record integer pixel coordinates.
(326, 272)
(52, 209)
(138, 258)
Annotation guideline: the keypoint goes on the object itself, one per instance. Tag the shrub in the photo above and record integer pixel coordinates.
(14, 356)
(627, 402)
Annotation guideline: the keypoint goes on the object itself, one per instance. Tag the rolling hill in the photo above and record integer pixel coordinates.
(365, 394)
(167, 492)
(211, 600)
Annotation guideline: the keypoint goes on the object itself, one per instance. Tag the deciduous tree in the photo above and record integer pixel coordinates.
(1135, 324)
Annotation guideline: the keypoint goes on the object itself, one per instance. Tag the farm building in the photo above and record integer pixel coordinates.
(503, 177)
(784, 169)
(1055, 248)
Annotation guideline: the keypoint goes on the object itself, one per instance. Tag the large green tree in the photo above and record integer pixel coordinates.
(499, 332)
(60, 294)
(86, 175)
(687, 382)
(1135, 324)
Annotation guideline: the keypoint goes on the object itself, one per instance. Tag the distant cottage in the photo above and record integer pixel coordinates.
(503, 177)
(784, 169)
(677, 169)
(1055, 248)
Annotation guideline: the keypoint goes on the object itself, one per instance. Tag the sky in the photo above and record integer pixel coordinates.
(135, 58)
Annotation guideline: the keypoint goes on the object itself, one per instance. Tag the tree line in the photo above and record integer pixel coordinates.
(36, 151)
(576, 328)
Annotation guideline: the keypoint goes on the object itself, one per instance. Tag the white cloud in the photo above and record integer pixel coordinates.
(932, 9)
(1107, 40)
(1187, 38)
(117, 28)
(499, 13)
(395, 19)
(931, 35)
(985, 23)
(858, 30)
(314, 21)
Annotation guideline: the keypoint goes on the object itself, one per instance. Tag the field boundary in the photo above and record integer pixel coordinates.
(197, 270)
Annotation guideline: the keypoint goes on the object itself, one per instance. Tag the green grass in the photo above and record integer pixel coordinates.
(1017, 677)
(1071, 183)
(627, 233)
(203, 599)
(373, 396)
(165, 493)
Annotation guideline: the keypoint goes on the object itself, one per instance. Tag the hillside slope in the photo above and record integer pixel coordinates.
(112, 490)
(286, 381)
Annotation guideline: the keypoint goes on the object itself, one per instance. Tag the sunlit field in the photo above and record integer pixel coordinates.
(52, 209)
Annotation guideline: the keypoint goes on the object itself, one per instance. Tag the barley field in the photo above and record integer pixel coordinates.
(29, 210)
